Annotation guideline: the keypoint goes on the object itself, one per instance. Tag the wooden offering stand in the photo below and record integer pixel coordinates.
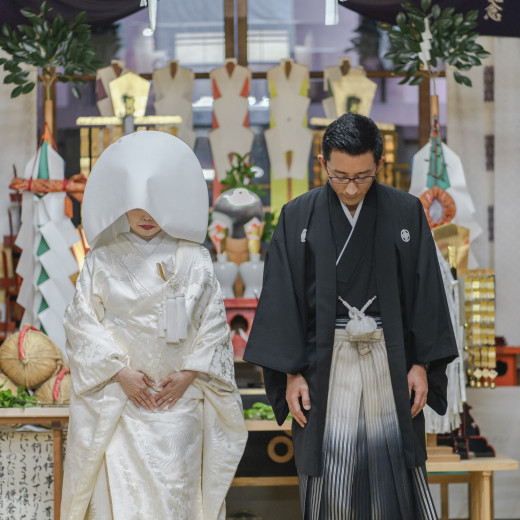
(438, 453)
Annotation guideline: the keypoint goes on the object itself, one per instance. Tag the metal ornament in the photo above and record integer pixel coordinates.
(240, 206)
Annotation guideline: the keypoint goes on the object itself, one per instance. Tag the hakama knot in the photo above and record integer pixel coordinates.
(359, 325)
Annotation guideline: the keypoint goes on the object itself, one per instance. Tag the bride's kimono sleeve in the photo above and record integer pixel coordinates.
(94, 358)
(211, 354)
(211, 351)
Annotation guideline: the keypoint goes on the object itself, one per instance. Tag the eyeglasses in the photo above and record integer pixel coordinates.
(346, 180)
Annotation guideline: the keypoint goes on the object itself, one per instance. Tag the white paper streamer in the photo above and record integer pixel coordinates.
(331, 12)
(458, 190)
(152, 11)
(43, 217)
(426, 43)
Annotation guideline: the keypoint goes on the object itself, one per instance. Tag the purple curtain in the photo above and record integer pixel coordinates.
(495, 18)
(99, 12)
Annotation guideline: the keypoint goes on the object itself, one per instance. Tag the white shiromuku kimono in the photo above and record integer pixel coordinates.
(125, 462)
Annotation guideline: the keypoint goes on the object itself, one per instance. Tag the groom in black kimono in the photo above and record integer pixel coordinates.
(355, 371)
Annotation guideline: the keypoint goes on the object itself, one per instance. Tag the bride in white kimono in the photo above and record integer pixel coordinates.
(156, 427)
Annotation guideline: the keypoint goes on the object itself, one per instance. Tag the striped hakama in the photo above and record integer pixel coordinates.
(364, 474)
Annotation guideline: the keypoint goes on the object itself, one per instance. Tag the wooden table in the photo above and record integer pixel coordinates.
(478, 472)
(55, 417)
(266, 426)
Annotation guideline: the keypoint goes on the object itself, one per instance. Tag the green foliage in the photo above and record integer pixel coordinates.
(58, 48)
(261, 411)
(453, 42)
(21, 400)
(269, 219)
(241, 174)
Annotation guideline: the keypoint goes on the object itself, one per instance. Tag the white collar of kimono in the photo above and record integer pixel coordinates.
(146, 246)
(353, 221)
(160, 249)
(148, 170)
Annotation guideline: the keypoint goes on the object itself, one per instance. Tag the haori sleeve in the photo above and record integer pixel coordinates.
(94, 358)
(277, 341)
(433, 340)
(211, 351)
(432, 332)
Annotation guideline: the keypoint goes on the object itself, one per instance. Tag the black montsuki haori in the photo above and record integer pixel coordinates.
(293, 330)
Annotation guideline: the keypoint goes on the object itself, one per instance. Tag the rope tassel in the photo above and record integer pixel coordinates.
(359, 324)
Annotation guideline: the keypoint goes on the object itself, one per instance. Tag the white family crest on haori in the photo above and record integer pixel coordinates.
(47, 265)
(152, 171)
(405, 235)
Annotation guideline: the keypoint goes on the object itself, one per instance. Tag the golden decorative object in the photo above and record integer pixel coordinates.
(453, 242)
(129, 85)
(477, 297)
(348, 88)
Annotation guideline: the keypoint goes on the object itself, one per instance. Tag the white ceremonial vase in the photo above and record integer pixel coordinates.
(252, 273)
(226, 273)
